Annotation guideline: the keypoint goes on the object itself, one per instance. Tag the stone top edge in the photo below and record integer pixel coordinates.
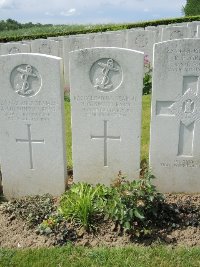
(106, 48)
(32, 55)
(178, 40)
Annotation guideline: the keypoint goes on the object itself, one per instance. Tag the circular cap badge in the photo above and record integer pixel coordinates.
(25, 80)
(106, 75)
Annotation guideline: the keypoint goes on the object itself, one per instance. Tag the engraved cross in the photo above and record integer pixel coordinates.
(30, 141)
(187, 111)
(106, 137)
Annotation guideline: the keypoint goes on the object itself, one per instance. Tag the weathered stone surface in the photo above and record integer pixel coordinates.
(109, 39)
(193, 26)
(32, 139)
(198, 31)
(142, 40)
(58, 39)
(70, 44)
(106, 92)
(46, 46)
(175, 123)
(176, 32)
(14, 48)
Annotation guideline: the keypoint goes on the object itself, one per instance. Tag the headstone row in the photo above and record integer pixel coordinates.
(106, 102)
(133, 38)
(139, 39)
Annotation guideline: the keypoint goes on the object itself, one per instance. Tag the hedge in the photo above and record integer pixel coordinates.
(98, 28)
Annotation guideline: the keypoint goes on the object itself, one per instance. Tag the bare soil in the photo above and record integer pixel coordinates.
(178, 224)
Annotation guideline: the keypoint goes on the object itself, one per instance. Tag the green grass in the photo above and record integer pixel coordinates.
(68, 134)
(146, 115)
(103, 257)
(145, 130)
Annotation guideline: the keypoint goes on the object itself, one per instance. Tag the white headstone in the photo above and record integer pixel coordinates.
(176, 32)
(175, 122)
(32, 139)
(92, 37)
(178, 24)
(58, 39)
(158, 31)
(46, 46)
(142, 40)
(13, 48)
(71, 44)
(193, 26)
(136, 29)
(106, 94)
(114, 39)
(198, 31)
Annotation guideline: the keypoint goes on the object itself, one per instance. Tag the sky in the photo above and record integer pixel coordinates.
(89, 11)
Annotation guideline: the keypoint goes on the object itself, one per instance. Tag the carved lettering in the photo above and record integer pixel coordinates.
(99, 106)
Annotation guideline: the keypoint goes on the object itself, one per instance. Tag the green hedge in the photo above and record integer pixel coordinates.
(98, 28)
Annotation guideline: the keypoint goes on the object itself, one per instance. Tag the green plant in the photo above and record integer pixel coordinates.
(128, 204)
(147, 80)
(57, 228)
(67, 94)
(132, 204)
(67, 98)
(49, 224)
(82, 203)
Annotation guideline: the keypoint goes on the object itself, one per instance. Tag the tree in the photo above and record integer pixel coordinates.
(192, 8)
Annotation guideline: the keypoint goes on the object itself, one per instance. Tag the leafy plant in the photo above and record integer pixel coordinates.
(67, 94)
(147, 80)
(67, 98)
(128, 204)
(49, 224)
(131, 204)
(57, 228)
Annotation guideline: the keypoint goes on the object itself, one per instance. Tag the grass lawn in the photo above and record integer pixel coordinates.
(145, 130)
(68, 134)
(103, 257)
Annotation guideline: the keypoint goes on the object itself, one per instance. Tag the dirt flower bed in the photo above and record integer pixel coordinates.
(178, 223)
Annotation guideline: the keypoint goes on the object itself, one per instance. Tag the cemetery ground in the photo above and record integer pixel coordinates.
(169, 238)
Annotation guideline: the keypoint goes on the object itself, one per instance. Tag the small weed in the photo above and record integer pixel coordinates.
(56, 226)
(67, 98)
(147, 80)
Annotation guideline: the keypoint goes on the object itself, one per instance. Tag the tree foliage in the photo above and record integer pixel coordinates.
(11, 24)
(192, 8)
